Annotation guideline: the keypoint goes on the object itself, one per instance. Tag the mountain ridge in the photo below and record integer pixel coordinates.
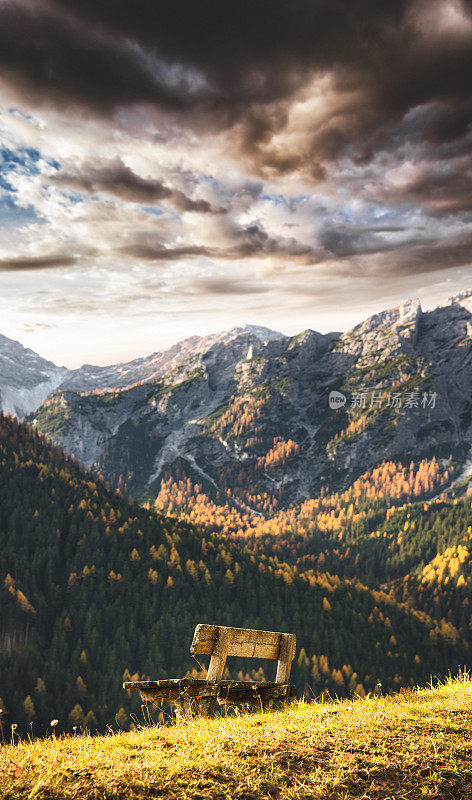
(241, 412)
(250, 407)
(27, 379)
(120, 375)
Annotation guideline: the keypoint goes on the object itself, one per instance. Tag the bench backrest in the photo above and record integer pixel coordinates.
(221, 642)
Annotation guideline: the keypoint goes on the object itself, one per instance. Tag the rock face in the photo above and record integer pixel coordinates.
(26, 379)
(248, 411)
(119, 376)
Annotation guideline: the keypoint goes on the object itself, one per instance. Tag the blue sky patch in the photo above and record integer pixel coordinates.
(23, 160)
(152, 210)
(13, 216)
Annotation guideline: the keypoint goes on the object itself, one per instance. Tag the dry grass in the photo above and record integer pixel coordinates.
(409, 746)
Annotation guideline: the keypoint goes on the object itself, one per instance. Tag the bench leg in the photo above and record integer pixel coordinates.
(187, 707)
(183, 710)
(206, 706)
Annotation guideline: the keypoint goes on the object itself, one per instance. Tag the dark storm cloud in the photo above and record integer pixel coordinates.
(247, 51)
(253, 241)
(446, 254)
(36, 262)
(350, 240)
(441, 187)
(221, 63)
(116, 178)
(57, 58)
(240, 242)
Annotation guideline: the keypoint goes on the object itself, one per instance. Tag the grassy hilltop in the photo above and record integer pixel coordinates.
(410, 745)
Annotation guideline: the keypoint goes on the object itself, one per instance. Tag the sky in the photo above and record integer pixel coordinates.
(181, 168)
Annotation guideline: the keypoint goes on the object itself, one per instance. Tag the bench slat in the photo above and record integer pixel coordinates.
(244, 650)
(166, 683)
(175, 690)
(243, 642)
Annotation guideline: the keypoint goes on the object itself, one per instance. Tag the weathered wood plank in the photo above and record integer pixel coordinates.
(165, 682)
(285, 658)
(217, 662)
(243, 650)
(244, 642)
(238, 693)
(219, 655)
(242, 684)
(171, 695)
(242, 636)
(185, 683)
(171, 689)
(204, 633)
(233, 691)
(265, 651)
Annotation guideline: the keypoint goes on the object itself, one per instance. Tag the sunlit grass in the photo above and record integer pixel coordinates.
(411, 745)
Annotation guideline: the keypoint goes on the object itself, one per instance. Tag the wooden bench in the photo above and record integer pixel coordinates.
(192, 695)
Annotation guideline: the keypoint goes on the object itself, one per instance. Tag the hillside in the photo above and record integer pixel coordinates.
(376, 531)
(249, 419)
(409, 745)
(94, 588)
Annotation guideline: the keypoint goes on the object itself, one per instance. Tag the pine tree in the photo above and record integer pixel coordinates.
(28, 708)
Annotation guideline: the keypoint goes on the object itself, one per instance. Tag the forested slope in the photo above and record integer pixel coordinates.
(94, 587)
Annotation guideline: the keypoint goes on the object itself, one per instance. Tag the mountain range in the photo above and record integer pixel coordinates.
(248, 412)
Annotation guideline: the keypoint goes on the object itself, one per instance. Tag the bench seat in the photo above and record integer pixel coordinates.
(226, 691)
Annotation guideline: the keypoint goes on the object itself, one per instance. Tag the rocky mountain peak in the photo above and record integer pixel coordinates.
(407, 312)
(248, 409)
(462, 299)
(151, 368)
(26, 379)
(259, 332)
(386, 334)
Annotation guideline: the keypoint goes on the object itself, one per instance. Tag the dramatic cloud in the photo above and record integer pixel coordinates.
(117, 179)
(442, 186)
(298, 83)
(180, 155)
(448, 254)
(36, 262)
(235, 242)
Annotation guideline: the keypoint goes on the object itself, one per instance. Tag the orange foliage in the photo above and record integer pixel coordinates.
(384, 486)
(281, 452)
